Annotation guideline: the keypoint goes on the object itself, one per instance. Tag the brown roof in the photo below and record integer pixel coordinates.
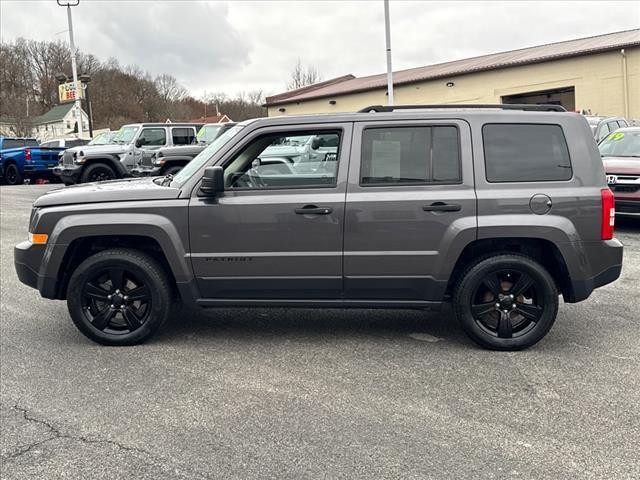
(211, 119)
(523, 56)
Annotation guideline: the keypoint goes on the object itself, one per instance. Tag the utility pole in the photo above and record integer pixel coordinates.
(74, 67)
(387, 31)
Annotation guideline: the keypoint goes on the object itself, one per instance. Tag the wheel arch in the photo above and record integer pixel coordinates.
(111, 161)
(547, 253)
(76, 237)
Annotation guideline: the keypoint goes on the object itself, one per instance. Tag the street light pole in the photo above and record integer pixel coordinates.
(387, 31)
(74, 68)
(85, 79)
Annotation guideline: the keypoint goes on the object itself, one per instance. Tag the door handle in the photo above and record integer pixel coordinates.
(442, 207)
(313, 210)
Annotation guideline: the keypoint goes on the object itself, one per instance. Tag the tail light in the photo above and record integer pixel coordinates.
(608, 214)
(27, 154)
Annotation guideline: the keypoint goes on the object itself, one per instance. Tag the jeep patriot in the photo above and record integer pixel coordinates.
(498, 210)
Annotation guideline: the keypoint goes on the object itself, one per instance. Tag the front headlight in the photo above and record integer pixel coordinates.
(78, 157)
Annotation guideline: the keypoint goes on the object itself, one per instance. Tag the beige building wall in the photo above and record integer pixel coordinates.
(597, 79)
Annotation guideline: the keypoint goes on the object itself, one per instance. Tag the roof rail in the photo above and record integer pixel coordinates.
(501, 106)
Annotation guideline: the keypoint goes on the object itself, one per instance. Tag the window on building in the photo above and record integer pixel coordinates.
(525, 153)
(410, 155)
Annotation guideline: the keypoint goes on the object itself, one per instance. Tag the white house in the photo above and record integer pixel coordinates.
(59, 122)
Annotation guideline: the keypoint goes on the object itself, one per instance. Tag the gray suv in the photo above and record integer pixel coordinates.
(495, 209)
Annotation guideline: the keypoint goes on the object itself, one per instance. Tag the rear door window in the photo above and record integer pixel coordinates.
(525, 153)
(410, 155)
(183, 135)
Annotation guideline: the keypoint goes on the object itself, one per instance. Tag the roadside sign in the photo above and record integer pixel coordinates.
(67, 92)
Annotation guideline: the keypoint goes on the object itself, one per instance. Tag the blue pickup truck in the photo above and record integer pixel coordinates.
(22, 158)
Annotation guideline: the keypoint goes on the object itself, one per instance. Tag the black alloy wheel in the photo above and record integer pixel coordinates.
(119, 296)
(97, 172)
(507, 304)
(116, 301)
(506, 301)
(12, 175)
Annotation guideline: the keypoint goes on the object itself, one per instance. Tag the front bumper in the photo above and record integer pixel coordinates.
(628, 208)
(27, 258)
(146, 171)
(68, 174)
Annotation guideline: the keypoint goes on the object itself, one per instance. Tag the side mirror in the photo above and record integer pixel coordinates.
(139, 142)
(316, 143)
(212, 181)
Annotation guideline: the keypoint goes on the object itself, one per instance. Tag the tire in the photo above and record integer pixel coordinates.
(506, 302)
(172, 170)
(138, 287)
(97, 172)
(12, 175)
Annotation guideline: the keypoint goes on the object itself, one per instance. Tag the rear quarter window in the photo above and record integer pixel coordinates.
(525, 153)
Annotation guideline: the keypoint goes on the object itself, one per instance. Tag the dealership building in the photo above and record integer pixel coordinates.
(598, 75)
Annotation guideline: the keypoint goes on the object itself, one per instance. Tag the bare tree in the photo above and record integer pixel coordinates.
(301, 76)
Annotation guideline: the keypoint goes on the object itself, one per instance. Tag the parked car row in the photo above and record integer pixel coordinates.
(620, 153)
(25, 157)
(141, 149)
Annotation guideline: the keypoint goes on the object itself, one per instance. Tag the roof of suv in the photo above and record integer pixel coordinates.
(162, 124)
(414, 112)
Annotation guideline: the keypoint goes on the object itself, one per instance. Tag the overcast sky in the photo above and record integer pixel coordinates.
(235, 46)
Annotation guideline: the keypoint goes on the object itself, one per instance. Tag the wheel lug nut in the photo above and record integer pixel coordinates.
(113, 306)
(513, 306)
(511, 296)
(497, 305)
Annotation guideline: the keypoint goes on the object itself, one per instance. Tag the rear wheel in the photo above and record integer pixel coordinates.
(506, 302)
(12, 175)
(97, 172)
(119, 297)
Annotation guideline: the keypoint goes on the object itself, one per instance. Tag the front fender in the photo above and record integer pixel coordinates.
(111, 160)
(157, 227)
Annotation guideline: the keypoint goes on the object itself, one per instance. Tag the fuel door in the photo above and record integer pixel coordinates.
(540, 204)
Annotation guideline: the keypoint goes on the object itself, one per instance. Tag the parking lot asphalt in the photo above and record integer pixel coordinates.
(297, 393)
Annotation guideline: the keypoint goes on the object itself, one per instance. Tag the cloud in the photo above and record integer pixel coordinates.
(243, 45)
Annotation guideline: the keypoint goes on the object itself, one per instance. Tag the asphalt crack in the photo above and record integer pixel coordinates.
(55, 434)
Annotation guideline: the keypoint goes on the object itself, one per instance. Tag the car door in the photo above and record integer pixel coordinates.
(276, 232)
(410, 203)
(150, 140)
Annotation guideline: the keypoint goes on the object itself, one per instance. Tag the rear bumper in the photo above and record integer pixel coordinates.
(606, 263)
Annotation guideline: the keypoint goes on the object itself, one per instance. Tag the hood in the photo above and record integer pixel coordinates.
(131, 189)
(629, 165)
(282, 150)
(112, 149)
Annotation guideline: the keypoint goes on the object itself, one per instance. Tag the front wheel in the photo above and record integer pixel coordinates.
(97, 172)
(506, 302)
(119, 297)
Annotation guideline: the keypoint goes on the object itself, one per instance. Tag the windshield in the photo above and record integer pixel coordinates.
(103, 138)
(205, 155)
(208, 133)
(125, 135)
(621, 144)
